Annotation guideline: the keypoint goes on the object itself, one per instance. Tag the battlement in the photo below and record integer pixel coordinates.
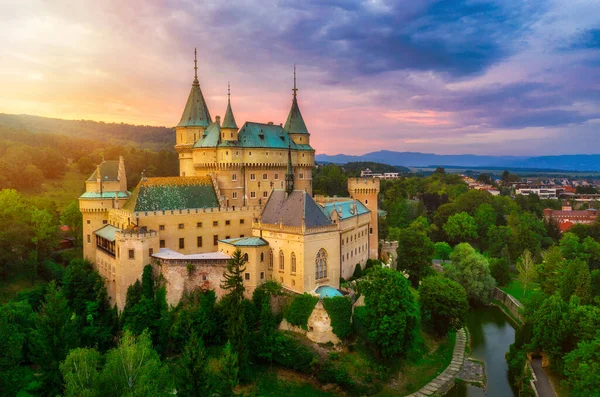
(277, 227)
(363, 184)
(140, 235)
(193, 211)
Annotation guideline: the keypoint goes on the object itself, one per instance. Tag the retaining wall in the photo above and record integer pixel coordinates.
(514, 306)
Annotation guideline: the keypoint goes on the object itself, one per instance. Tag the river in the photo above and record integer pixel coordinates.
(491, 334)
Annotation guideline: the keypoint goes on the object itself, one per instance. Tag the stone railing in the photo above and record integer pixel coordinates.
(514, 306)
(277, 227)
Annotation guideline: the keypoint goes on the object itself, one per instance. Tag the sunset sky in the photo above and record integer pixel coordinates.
(499, 77)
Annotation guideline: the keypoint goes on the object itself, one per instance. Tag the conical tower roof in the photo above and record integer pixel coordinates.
(229, 120)
(196, 112)
(295, 123)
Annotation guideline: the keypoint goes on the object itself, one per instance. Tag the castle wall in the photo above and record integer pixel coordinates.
(354, 243)
(366, 190)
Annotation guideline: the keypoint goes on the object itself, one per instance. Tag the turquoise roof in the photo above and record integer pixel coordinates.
(344, 207)
(229, 120)
(196, 112)
(108, 232)
(295, 123)
(325, 291)
(104, 195)
(245, 241)
(251, 135)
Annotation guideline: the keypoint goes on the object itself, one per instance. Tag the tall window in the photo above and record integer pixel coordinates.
(321, 264)
(281, 260)
(293, 263)
(262, 256)
(271, 259)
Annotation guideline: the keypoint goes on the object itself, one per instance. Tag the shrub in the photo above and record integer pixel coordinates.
(339, 309)
(49, 270)
(357, 272)
(444, 304)
(300, 310)
(289, 353)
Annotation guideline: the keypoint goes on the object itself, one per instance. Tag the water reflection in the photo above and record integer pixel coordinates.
(491, 335)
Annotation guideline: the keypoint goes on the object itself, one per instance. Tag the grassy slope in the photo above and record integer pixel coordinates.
(62, 191)
(515, 288)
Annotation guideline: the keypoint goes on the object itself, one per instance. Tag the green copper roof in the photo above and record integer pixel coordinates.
(196, 112)
(104, 195)
(345, 208)
(229, 120)
(295, 122)
(245, 241)
(109, 170)
(251, 135)
(172, 193)
(108, 232)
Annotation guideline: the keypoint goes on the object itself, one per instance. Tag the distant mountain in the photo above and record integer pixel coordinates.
(578, 162)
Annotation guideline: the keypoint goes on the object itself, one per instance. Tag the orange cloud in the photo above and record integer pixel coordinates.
(423, 117)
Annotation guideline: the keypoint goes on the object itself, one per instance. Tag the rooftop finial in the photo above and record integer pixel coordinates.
(228, 92)
(195, 67)
(295, 90)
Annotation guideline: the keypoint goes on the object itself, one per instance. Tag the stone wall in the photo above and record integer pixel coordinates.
(389, 250)
(178, 279)
(514, 306)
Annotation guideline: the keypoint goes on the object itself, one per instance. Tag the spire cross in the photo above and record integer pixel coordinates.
(295, 90)
(195, 66)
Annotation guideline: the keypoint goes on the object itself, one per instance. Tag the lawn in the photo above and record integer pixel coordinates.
(274, 382)
(421, 366)
(515, 288)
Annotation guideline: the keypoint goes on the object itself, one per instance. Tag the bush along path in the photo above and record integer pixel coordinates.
(445, 380)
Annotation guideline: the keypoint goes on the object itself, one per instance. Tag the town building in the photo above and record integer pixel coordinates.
(246, 188)
(567, 217)
(542, 192)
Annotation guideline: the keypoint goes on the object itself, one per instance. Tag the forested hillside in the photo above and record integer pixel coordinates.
(120, 134)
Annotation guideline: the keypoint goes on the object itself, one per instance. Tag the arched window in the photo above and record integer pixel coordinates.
(281, 260)
(270, 259)
(321, 264)
(293, 263)
(246, 257)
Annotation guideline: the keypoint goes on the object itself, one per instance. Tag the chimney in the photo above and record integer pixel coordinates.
(270, 123)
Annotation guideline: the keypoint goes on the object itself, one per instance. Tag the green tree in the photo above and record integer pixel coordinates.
(392, 311)
(191, 376)
(81, 372)
(551, 270)
(498, 237)
(54, 335)
(500, 270)
(461, 227)
(16, 232)
(576, 281)
(443, 250)
(471, 270)
(582, 368)
(134, 369)
(485, 217)
(12, 341)
(228, 371)
(415, 253)
(357, 271)
(444, 304)
(526, 269)
(71, 217)
(236, 323)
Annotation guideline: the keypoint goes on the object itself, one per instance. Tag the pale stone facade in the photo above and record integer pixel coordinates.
(226, 199)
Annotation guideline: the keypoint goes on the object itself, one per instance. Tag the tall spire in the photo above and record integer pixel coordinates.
(195, 67)
(295, 123)
(229, 120)
(196, 112)
(289, 175)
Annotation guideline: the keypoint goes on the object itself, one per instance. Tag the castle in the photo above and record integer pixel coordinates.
(247, 188)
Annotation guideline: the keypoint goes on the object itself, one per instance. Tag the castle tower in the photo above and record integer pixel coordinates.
(194, 121)
(366, 190)
(295, 126)
(229, 128)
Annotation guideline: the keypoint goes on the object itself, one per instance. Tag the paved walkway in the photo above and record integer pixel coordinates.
(449, 373)
(542, 384)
